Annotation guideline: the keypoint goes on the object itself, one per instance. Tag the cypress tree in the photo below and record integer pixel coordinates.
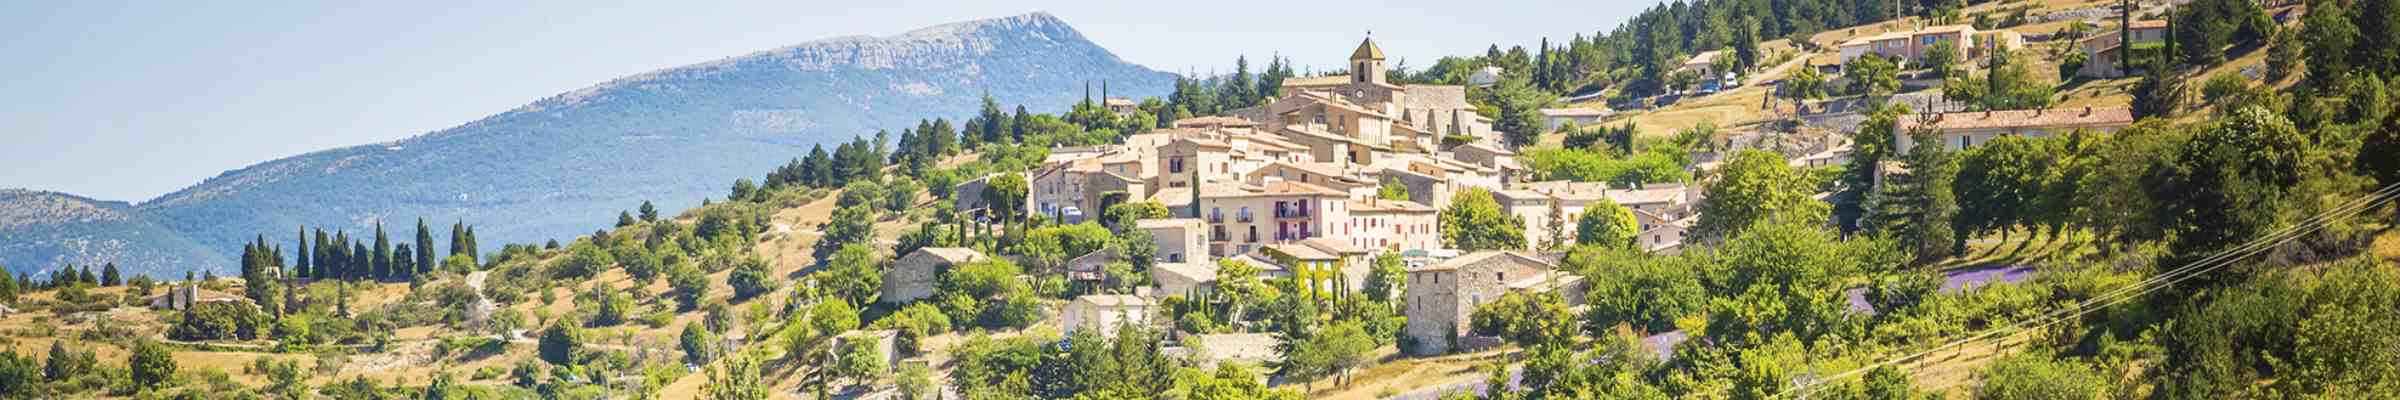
(87, 276)
(343, 256)
(383, 253)
(458, 238)
(473, 253)
(302, 259)
(404, 263)
(424, 248)
(319, 266)
(362, 261)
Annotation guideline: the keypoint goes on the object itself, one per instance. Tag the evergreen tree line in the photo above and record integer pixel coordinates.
(1195, 96)
(320, 255)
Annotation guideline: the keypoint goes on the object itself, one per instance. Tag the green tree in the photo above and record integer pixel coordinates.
(1527, 319)
(1388, 278)
(849, 225)
(698, 344)
(2159, 93)
(2228, 183)
(1006, 195)
(1475, 221)
(2035, 376)
(1604, 223)
(559, 343)
(858, 360)
(736, 379)
(19, 377)
(1917, 207)
(152, 365)
(1873, 76)
(649, 212)
(1647, 293)
(1756, 186)
(855, 274)
(1519, 104)
(751, 278)
(424, 249)
(109, 277)
(1392, 190)
(2374, 158)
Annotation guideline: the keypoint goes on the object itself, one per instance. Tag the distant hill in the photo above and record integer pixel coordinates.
(564, 165)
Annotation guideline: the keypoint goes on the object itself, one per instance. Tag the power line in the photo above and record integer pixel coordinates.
(2146, 286)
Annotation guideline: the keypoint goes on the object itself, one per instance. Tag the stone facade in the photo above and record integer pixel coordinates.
(1442, 297)
(914, 276)
(1102, 314)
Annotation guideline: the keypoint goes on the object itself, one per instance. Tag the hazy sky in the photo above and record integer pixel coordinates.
(131, 101)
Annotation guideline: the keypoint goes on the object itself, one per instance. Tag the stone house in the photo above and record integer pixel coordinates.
(1964, 130)
(184, 297)
(915, 276)
(1179, 239)
(1442, 297)
(1102, 314)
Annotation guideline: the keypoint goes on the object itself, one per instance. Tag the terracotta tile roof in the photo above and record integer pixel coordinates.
(1478, 257)
(1434, 97)
(2150, 24)
(1367, 50)
(1114, 300)
(1298, 251)
(1328, 80)
(2061, 118)
(1331, 245)
(1381, 205)
(1944, 29)
(1214, 120)
(953, 254)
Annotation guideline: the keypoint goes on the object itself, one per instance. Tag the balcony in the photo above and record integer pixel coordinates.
(1242, 218)
(1288, 212)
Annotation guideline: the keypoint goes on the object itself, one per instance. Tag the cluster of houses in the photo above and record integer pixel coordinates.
(1295, 185)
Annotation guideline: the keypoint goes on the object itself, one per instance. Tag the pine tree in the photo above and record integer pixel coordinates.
(8, 287)
(109, 277)
(649, 214)
(1020, 124)
(994, 124)
(383, 253)
(424, 249)
(816, 170)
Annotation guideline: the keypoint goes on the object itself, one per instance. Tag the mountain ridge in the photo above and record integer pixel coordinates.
(559, 165)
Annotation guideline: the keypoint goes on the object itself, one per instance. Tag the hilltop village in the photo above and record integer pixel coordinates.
(1996, 200)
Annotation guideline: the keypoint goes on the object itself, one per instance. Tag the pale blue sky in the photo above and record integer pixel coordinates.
(130, 101)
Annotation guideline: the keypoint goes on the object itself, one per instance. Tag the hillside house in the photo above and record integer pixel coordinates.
(1585, 117)
(1179, 239)
(1243, 217)
(915, 275)
(2105, 50)
(184, 297)
(1102, 314)
(1442, 296)
(1964, 130)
